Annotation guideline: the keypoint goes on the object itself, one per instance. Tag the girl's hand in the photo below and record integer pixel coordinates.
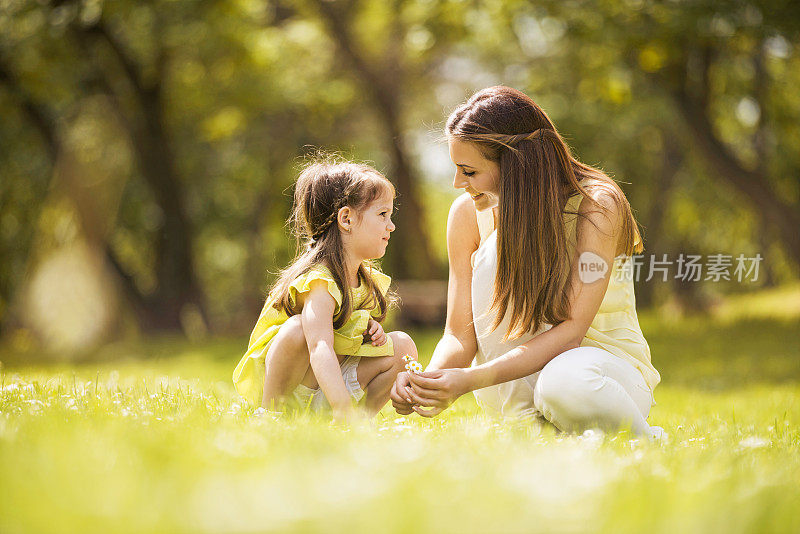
(437, 389)
(401, 401)
(375, 332)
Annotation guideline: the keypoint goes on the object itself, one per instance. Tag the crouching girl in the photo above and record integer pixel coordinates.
(319, 339)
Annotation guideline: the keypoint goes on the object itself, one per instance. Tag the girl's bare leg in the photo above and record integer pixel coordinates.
(287, 363)
(377, 375)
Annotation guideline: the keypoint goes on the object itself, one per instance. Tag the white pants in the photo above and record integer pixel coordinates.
(579, 389)
(587, 387)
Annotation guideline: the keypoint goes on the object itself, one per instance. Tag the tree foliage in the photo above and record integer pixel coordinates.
(167, 134)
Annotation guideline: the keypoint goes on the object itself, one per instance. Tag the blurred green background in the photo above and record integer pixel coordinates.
(147, 153)
(148, 149)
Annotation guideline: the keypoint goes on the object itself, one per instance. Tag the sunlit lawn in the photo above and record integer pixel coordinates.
(150, 437)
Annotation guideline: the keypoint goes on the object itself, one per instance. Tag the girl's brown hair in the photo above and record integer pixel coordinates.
(323, 188)
(537, 176)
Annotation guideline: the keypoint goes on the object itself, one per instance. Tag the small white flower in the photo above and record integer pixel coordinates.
(414, 367)
(754, 442)
(34, 405)
(593, 436)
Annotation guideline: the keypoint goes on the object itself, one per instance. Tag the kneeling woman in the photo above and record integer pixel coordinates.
(539, 293)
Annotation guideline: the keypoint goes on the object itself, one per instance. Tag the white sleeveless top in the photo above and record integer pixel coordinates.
(614, 329)
(513, 398)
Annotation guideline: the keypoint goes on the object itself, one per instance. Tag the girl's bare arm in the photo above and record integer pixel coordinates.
(317, 318)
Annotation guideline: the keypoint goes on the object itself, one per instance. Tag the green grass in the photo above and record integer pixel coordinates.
(149, 437)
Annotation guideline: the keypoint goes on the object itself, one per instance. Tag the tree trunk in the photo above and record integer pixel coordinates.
(177, 282)
(774, 211)
(656, 241)
(411, 256)
(177, 286)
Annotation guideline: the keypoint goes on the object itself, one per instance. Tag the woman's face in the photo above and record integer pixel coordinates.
(475, 174)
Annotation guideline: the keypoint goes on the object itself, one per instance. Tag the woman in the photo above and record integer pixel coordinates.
(537, 294)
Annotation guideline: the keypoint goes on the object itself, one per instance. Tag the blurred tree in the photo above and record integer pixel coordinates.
(723, 67)
(175, 129)
(687, 104)
(213, 103)
(390, 48)
(134, 90)
(149, 64)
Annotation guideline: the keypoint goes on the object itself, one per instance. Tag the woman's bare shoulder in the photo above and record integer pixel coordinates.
(606, 195)
(462, 223)
(603, 216)
(464, 208)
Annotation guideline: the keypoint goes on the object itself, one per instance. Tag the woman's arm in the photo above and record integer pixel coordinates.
(597, 233)
(458, 345)
(317, 318)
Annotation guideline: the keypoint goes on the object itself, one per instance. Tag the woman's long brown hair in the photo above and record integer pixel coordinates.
(537, 176)
(323, 188)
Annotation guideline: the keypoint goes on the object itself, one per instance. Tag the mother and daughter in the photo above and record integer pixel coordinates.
(543, 340)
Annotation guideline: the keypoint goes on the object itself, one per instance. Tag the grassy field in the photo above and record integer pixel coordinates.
(149, 437)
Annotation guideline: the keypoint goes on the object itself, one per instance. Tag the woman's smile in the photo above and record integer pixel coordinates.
(475, 175)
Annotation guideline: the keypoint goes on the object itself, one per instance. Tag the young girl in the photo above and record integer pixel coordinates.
(319, 337)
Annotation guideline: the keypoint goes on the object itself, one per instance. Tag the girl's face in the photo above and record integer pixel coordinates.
(371, 228)
(475, 174)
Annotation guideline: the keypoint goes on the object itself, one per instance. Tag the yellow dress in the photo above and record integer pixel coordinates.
(248, 377)
(615, 328)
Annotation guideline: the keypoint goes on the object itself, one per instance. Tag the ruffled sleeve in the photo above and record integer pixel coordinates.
(302, 284)
(382, 281)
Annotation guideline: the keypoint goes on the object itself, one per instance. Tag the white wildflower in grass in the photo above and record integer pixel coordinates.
(593, 436)
(754, 442)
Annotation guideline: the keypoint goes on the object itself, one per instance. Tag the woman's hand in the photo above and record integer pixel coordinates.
(375, 332)
(401, 401)
(437, 389)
